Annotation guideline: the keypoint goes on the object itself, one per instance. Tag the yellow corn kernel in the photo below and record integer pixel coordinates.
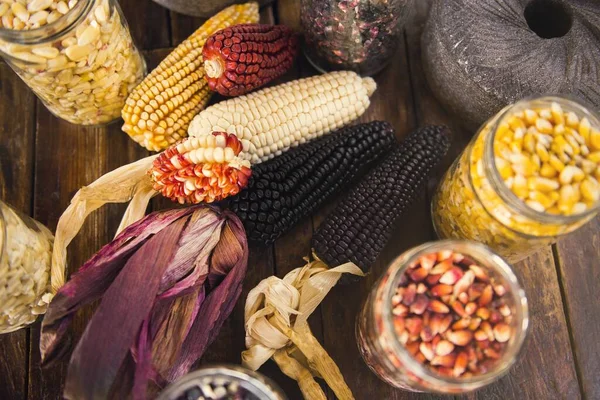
(535, 205)
(571, 173)
(559, 130)
(542, 152)
(504, 168)
(547, 171)
(544, 126)
(522, 165)
(568, 196)
(594, 157)
(572, 120)
(557, 113)
(542, 199)
(503, 133)
(516, 123)
(158, 111)
(530, 117)
(590, 190)
(556, 163)
(529, 142)
(536, 183)
(585, 128)
(519, 187)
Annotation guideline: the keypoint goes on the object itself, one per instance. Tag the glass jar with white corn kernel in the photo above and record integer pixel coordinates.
(25, 257)
(76, 55)
(530, 175)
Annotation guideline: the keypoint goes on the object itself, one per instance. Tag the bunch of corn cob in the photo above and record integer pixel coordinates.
(362, 223)
(158, 111)
(244, 57)
(229, 137)
(213, 164)
(287, 188)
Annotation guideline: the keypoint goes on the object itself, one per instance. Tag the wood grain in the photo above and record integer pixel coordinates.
(578, 259)
(148, 23)
(17, 123)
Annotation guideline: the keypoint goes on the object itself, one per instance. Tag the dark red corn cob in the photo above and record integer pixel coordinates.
(360, 226)
(289, 187)
(244, 57)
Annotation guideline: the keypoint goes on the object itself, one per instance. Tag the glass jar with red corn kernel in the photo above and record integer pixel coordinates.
(446, 317)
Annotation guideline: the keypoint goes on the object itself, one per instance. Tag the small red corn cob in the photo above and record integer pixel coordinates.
(244, 57)
(204, 169)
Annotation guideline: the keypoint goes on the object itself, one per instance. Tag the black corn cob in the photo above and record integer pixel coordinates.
(289, 187)
(360, 226)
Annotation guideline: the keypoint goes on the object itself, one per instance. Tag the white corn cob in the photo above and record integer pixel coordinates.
(271, 120)
(225, 139)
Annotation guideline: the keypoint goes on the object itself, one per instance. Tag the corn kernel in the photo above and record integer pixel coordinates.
(547, 171)
(590, 190)
(542, 184)
(542, 199)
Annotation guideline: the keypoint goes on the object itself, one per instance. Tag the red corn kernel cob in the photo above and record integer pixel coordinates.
(244, 57)
(201, 169)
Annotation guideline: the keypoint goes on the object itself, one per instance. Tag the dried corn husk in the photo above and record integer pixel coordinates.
(166, 285)
(276, 316)
(127, 183)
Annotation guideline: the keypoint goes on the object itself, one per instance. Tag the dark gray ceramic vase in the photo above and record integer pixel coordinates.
(481, 55)
(202, 8)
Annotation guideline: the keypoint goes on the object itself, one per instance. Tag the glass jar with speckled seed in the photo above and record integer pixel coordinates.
(357, 35)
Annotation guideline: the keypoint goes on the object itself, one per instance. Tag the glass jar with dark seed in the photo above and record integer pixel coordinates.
(357, 35)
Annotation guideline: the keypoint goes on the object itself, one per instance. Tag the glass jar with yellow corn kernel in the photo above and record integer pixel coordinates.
(530, 175)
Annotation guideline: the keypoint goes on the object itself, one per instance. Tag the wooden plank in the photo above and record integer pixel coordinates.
(16, 180)
(578, 258)
(183, 26)
(542, 371)
(67, 158)
(148, 23)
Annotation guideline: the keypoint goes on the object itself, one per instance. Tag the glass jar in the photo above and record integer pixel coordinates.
(479, 201)
(360, 36)
(25, 257)
(382, 348)
(223, 382)
(82, 64)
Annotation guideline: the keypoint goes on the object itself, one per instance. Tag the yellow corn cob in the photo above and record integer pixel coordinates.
(227, 138)
(159, 110)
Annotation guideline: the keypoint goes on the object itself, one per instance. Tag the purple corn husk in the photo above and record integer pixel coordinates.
(167, 284)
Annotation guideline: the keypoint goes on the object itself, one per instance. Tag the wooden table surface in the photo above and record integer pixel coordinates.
(44, 161)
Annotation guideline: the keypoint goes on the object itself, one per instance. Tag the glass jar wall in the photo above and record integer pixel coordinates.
(361, 36)
(529, 175)
(77, 56)
(25, 257)
(401, 340)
